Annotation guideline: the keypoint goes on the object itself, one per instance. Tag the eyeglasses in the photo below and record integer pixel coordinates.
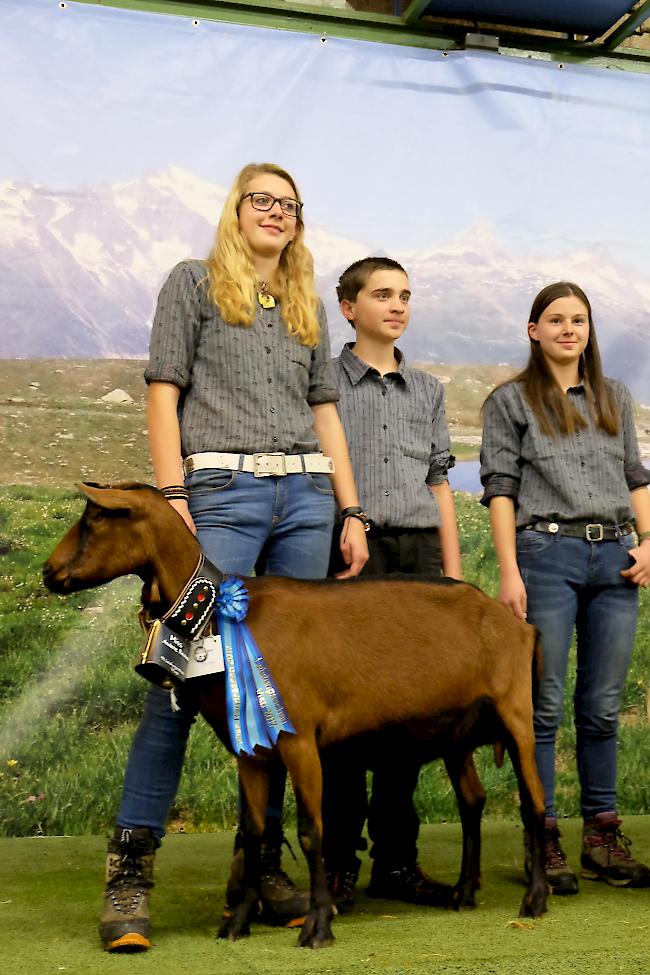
(264, 201)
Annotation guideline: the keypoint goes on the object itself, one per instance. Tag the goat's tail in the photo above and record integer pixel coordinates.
(499, 752)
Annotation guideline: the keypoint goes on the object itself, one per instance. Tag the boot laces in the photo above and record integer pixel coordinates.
(129, 885)
(554, 856)
(609, 835)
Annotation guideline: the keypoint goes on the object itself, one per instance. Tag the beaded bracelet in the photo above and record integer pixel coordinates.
(175, 492)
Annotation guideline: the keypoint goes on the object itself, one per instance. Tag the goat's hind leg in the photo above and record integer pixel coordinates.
(471, 799)
(521, 748)
(253, 776)
(303, 763)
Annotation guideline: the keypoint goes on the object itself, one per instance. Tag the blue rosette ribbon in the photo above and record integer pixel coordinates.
(255, 710)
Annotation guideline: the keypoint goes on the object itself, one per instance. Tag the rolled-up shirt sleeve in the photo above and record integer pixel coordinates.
(440, 459)
(175, 327)
(500, 450)
(322, 381)
(636, 475)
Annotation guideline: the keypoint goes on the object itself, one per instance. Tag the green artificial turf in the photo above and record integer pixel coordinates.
(50, 894)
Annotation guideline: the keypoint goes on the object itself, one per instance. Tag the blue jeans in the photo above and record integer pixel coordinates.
(287, 523)
(572, 583)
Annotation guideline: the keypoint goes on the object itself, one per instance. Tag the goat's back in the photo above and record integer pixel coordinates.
(352, 656)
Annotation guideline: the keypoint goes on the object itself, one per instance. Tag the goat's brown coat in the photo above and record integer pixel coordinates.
(348, 657)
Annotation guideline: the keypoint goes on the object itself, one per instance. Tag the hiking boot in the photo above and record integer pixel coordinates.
(606, 854)
(341, 883)
(124, 924)
(282, 902)
(561, 878)
(408, 883)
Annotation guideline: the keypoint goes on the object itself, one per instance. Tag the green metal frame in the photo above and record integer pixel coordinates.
(409, 29)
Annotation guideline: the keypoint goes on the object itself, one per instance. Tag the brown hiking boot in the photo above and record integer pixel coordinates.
(342, 883)
(124, 924)
(606, 854)
(561, 878)
(281, 902)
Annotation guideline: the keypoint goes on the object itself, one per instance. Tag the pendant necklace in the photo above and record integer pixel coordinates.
(264, 297)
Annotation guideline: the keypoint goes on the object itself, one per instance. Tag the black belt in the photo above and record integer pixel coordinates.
(592, 532)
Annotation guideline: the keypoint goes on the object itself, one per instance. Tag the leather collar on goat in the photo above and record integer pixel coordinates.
(192, 612)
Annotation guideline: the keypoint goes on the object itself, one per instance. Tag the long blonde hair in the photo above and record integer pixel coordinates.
(231, 272)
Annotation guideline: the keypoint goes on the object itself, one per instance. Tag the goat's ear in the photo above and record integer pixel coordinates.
(105, 496)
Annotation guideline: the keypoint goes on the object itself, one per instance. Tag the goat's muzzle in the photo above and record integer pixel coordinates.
(57, 580)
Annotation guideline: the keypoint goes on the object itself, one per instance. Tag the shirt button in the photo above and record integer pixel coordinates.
(385, 460)
(384, 427)
(268, 351)
(383, 392)
(270, 324)
(387, 494)
(582, 463)
(275, 439)
(272, 410)
(269, 380)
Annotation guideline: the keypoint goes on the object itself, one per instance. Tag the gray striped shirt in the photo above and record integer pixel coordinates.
(243, 389)
(399, 441)
(586, 476)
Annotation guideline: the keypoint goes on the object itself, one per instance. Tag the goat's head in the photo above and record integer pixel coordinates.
(122, 530)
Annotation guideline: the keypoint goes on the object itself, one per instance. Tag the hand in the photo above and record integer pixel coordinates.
(639, 573)
(512, 593)
(183, 509)
(354, 548)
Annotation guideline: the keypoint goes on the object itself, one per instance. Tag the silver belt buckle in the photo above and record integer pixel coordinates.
(597, 538)
(269, 465)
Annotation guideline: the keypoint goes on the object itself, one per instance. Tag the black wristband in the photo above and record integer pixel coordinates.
(354, 509)
(359, 514)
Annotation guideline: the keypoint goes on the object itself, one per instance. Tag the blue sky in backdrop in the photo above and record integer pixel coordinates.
(388, 143)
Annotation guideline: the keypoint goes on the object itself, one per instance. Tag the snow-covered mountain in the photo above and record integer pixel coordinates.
(80, 271)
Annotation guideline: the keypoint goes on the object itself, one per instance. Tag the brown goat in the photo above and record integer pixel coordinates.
(348, 657)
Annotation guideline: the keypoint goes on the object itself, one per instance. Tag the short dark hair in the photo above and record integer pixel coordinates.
(356, 276)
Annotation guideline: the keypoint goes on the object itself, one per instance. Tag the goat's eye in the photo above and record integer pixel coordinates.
(94, 514)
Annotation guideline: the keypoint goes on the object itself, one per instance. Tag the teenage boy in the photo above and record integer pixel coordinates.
(395, 423)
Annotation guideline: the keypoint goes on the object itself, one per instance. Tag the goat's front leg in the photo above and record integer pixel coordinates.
(253, 776)
(471, 799)
(303, 762)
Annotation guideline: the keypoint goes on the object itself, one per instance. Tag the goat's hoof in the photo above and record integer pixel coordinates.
(235, 925)
(534, 903)
(462, 899)
(317, 930)
(230, 933)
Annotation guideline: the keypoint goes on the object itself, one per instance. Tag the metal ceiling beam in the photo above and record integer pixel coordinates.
(307, 18)
(627, 28)
(381, 28)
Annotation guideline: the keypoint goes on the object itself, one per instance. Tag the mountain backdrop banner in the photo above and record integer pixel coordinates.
(487, 176)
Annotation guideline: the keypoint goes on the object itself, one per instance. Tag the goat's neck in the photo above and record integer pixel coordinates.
(173, 561)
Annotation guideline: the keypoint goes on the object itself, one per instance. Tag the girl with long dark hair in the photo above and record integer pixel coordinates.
(570, 516)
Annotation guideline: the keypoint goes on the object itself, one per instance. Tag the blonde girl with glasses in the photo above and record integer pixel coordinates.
(247, 446)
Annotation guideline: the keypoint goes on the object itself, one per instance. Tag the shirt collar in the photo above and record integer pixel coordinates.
(356, 368)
